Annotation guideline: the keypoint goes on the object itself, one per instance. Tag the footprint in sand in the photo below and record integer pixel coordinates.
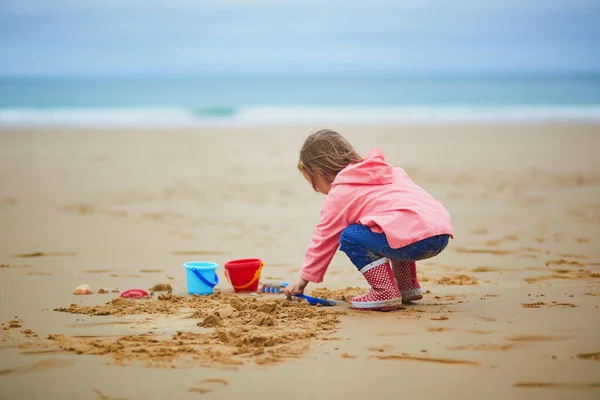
(125, 276)
(527, 255)
(484, 347)
(536, 338)
(570, 255)
(553, 304)
(492, 242)
(406, 357)
(479, 331)
(44, 254)
(487, 319)
(534, 250)
(459, 280)
(483, 251)
(43, 365)
(489, 296)
(490, 269)
(480, 231)
(562, 261)
(449, 297)
(208, 385)
(432, 329)
(557, 385)
(533, 305)
(384, 334)
(41, 273)
(589, 356)
(81, 209)
(15, 266)
(381, 349)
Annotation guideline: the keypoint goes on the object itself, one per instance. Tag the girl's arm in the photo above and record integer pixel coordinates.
(324, 243)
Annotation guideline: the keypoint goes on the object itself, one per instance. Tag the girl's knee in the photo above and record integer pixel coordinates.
(353, 230)
(348, 236)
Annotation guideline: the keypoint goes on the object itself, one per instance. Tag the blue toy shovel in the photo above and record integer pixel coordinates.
(313, 301)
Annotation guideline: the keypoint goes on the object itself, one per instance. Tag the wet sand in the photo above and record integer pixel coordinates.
(511, 307)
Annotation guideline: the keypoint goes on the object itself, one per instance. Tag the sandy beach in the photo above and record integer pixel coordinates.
(512, 306)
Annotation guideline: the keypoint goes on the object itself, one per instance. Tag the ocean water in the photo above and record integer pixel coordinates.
(197, 101)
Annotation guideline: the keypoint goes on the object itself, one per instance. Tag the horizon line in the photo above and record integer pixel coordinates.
(322, 75)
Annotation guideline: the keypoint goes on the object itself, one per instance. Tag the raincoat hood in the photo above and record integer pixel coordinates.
(372, 170)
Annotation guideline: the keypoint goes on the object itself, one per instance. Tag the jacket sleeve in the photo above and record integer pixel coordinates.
(324, 243)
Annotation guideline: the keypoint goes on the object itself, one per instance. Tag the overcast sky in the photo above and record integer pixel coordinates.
(98, 37)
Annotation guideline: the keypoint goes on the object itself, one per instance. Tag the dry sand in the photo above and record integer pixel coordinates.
(512, 306)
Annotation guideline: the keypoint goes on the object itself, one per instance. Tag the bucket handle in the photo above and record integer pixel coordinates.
(247, 285)
(203, 279)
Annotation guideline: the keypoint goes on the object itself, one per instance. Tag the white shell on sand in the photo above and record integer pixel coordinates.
(83, 289)
(103, 290)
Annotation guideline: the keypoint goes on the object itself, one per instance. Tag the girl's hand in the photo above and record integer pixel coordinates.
(295, 288)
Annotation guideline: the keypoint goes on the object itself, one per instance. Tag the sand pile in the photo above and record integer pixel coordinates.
(161, 287)
(231, 330)
(12, 324)
(12, 331)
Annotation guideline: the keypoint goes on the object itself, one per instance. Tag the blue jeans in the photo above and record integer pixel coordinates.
(364, 246)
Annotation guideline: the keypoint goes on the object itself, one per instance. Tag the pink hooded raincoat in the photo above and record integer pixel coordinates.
(384, 198)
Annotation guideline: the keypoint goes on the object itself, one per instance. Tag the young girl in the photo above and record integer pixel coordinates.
(376, 214)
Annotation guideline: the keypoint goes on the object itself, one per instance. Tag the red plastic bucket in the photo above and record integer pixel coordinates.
(244, 275)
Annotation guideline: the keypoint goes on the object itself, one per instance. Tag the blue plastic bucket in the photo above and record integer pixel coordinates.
(201, 276)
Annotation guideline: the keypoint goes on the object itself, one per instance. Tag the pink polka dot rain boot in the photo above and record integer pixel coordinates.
(405, 273)
(384, 294)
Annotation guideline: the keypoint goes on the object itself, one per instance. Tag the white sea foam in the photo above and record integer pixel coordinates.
(96, 117)
(260, 116)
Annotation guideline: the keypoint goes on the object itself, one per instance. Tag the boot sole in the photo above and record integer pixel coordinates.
(412, 295)
(382, 305)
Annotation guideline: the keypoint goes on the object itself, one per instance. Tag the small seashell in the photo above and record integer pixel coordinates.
(83, 289)
(102, 290)
(116, 291)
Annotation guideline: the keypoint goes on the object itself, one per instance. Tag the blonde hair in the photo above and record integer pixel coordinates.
(325, 153)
